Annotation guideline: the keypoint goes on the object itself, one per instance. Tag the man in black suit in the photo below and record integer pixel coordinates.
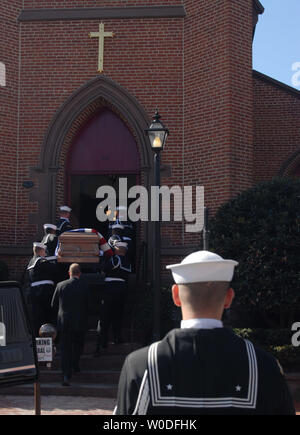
(71, 297)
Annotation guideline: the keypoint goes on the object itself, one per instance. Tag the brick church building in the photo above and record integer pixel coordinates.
(67, 128)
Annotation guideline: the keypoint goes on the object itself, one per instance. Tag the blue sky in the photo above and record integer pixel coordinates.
(276, 46)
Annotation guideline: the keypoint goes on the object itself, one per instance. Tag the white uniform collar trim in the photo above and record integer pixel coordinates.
(201, 323)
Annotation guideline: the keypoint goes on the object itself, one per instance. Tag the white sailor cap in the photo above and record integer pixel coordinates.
(202, 266)
(65, 208)
(53, 227)
(39, 245)
(117, 226)
(120, 244)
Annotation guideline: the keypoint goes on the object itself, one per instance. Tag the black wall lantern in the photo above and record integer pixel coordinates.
(157, 134)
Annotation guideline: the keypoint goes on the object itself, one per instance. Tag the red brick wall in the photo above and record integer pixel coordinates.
(218, 98)
(197, 70)
(59, 57)
(276, 126)
(9, 52)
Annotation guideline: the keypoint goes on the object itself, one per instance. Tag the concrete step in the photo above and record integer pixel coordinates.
(89, 362)
(85, 376)
(112, 349)
(293, 381)
(99, 376)
(55, 388)
(292, 376)
(129, 335)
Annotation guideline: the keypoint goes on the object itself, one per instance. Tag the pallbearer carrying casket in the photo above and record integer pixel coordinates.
(122, 220)
(42, 275)
(63, 223)
(117, 269)
(50, 239)
(119, 230)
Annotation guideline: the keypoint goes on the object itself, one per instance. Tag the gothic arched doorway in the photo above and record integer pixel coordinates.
(69, 121)
(103, 151)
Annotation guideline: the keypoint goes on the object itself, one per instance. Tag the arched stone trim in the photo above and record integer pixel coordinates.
(68, 119)
(99, 88)
(290, 165)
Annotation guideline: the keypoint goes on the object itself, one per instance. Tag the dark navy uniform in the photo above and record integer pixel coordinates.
(202, 371)
(63, 225)
(127, 230)
(50, 240)
(42, 275)
(125, 234)
(117, 269)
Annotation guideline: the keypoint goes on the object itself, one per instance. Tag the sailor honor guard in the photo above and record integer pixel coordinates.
(123, 227)
(120, 230)
(116, 269)
(50, 239)
(63, 223)
(202, 368)
(42, 275)
(120, 221)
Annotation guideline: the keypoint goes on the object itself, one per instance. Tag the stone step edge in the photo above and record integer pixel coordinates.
(292, 376)
(82, 372)
(43, 371)
(74, 384)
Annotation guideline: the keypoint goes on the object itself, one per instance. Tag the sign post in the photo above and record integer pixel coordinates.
(44, 351)
(37, 397)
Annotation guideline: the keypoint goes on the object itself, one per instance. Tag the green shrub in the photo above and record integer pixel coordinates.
(266, 336)
(170, 315)
(288, 356)
(260, 228)
(275, 341)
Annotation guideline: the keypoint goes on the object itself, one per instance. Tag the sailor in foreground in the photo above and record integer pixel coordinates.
(202, 368)
(50, 239)
(42, 275)
(64, 220)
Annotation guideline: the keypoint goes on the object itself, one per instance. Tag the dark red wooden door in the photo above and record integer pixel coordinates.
(104, 145)
(102, 152)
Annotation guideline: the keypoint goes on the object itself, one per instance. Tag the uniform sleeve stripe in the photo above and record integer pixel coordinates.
(34, 264)
(143, 399)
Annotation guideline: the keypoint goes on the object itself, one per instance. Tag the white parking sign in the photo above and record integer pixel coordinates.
(44, 349)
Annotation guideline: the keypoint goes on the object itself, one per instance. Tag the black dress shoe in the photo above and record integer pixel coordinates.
(66, 382)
